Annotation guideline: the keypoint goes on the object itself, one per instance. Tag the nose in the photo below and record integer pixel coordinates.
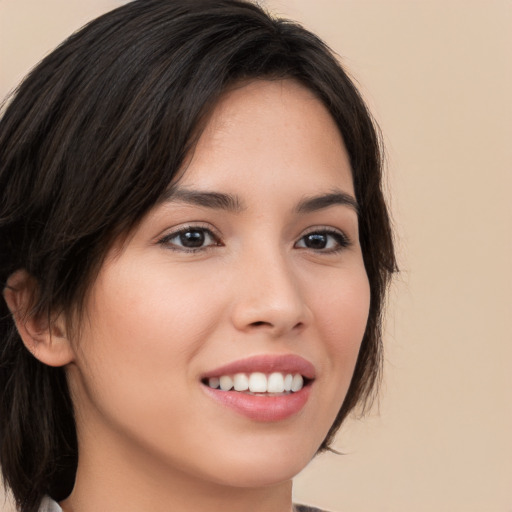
(269, 298)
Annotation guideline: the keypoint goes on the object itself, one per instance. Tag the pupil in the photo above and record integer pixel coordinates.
(316, 241)
(192, 239)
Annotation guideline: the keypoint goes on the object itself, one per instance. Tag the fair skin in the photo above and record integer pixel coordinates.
(269, 272)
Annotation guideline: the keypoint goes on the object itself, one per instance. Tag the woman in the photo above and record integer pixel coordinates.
(194, 254)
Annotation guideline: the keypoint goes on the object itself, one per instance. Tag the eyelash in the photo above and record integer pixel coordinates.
(190, 229)
(341, 240)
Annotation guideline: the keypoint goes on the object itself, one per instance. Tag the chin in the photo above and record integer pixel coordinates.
(266, 466)
(273, 472)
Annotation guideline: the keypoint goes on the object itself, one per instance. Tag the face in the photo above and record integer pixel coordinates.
(249, 274)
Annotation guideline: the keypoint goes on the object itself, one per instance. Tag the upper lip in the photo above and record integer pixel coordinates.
(284, 363)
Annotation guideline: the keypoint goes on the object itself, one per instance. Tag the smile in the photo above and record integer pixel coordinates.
(257, 382)
(264, 388)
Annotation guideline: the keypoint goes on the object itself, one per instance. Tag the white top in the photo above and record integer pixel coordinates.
(48, 505)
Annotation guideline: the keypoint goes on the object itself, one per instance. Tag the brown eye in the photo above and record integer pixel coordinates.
(190, 239)
(327, 241)
(316, 241)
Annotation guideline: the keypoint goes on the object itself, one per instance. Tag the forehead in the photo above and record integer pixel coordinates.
(275, 129)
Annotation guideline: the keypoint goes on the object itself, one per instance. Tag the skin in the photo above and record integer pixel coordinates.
(159, 316)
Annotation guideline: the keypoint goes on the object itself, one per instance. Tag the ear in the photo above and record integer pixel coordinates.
(43, 335)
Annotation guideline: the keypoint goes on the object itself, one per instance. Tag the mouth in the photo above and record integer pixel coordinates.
(259, 383)
(263, 388)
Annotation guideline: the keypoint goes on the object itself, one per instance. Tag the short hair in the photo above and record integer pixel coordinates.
(91, 140)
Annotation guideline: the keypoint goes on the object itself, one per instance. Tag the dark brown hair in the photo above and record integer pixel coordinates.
(90, 142)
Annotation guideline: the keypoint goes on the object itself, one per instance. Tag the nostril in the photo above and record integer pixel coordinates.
(262, 324)
(259, 323)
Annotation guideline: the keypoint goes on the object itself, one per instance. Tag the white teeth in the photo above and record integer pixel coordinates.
(275, 383)
(297, 382)
(288, 382)
(214, 382)
(241, 382)
(258, 382)
(226, 383)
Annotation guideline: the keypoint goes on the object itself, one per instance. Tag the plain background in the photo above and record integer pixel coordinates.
(438, 76)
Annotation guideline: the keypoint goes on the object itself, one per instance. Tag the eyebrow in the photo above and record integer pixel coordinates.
(232, 203)
(315, 203)
(214, 200)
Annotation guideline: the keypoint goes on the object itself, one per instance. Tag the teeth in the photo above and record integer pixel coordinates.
(288, 382)
(241, 382)
(214, 382)
(258, 382)
(226, 383)
(275, 383)
(297, 382)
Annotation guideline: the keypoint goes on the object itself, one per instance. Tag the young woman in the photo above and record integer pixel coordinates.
(194, 251)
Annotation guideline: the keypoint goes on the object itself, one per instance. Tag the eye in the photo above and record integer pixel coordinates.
(324, 240)
(190, 239)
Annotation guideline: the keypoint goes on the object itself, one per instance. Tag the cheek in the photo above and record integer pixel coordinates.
(342, 316)
(144, 308)
(140, 340)
(345, 317)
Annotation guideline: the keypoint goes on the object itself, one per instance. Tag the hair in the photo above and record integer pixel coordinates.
(91, 140)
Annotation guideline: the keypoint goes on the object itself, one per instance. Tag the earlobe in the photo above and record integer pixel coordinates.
(43, 335)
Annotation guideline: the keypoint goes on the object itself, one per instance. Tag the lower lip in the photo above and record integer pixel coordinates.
(262, 408)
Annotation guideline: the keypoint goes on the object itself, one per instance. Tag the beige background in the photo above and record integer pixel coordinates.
(438, 76)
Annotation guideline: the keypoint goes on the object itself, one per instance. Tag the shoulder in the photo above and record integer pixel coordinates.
(305, 508)
(48, 505)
